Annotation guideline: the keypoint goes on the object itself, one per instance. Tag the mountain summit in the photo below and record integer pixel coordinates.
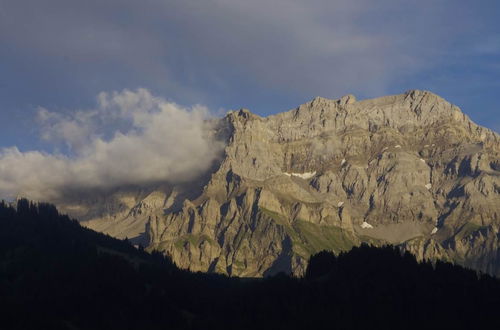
(411, 170)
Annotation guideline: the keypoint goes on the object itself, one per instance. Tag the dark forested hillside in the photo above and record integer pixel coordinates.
(54, 274)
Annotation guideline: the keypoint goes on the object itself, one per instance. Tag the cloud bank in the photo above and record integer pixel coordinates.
(214, 50)
(130, 138)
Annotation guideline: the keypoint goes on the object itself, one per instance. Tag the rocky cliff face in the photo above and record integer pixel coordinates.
(410, 170)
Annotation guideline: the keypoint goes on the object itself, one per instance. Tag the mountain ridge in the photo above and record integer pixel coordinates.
(408, 169)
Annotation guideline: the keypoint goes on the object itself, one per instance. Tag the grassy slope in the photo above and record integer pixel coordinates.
(309, 238)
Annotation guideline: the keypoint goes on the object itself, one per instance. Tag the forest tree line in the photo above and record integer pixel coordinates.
(55, 274)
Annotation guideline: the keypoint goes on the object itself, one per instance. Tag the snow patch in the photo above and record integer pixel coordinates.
(305, 176)
(343, 162)
(366, 225)
(428, 186)
(397, 146)
(422, 160)
(340, 204)
(434, 230)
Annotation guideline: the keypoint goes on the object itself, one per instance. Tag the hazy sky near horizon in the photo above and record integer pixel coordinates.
(268, 56)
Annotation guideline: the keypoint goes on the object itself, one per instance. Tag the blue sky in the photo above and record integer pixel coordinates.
(268, 56)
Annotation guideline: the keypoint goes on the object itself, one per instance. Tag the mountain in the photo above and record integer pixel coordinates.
(54, 274)
(410, 170)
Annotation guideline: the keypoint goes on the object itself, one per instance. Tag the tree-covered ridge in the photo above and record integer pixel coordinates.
(54, 274)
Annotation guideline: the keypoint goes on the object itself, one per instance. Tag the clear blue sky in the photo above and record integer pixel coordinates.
(268, 56)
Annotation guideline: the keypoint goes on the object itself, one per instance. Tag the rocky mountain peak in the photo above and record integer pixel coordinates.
(409, 169)
(347, 99)
(241, 115)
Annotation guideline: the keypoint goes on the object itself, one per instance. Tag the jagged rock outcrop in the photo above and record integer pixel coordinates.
(408, 169)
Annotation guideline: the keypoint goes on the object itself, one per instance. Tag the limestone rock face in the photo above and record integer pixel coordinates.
(410, 170)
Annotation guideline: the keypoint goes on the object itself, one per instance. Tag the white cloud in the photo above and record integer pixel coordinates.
(151, 141)
(74, 131)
